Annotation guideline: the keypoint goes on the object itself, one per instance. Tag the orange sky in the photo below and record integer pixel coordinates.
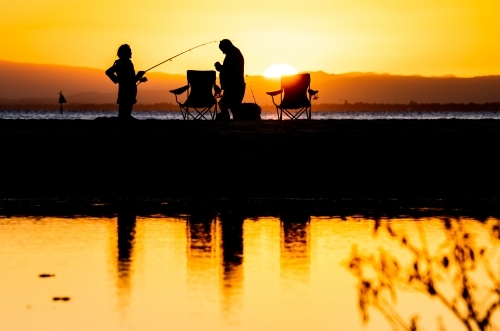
(426, 37)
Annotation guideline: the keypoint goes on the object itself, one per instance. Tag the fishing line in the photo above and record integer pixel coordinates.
(251, 91)
(252, 94)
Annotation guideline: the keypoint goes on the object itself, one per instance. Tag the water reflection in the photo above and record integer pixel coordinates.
(227, 271)
(215, 257)
(295, 249)
(203, 252)
(232, 247)
(125, 228)
(232, 264)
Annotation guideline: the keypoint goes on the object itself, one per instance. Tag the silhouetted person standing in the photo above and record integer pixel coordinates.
(232, 78)
(123, 73)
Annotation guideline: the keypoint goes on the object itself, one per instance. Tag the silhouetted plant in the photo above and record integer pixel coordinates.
(380, 275)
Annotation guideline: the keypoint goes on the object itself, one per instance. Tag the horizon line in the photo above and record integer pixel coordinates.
(371, 73)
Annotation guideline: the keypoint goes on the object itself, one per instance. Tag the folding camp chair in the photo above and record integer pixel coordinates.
(296, 96)
(200, 101)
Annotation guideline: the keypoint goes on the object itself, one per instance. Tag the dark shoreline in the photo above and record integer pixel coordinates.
(296, 208)
(269, 107)
(304, 159)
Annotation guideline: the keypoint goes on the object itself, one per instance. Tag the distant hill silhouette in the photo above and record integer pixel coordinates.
(23, 83)
(33, 82)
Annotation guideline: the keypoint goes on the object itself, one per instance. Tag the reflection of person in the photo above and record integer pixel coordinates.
(231, 78)
(123, 73)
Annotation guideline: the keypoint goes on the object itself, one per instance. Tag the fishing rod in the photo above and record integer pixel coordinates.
(173, 57)
(189, 50)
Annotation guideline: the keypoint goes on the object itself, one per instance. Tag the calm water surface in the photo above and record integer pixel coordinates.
(318, 115)
(227, 272)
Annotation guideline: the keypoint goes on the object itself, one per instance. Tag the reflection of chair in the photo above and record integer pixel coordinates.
(296, 96)
(200, 101)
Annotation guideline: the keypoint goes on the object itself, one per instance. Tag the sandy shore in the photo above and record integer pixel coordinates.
(383, 158)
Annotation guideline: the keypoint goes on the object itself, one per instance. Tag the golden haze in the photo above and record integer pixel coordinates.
(426, 37)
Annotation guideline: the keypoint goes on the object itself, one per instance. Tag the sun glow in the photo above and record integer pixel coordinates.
(278, 70)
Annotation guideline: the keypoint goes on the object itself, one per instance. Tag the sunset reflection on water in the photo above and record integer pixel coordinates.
(206, 271)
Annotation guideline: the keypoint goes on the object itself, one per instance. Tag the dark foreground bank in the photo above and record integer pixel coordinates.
(293, 209)
(382, 158)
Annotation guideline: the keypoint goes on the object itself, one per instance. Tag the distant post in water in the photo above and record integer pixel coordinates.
(61, 101)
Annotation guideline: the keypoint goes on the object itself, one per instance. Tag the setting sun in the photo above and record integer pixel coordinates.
(278, 70)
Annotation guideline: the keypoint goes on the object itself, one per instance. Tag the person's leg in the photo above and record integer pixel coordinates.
(241, 94)
(223, 107)
(231, 100)
(125, 110)
(129, 111)
(236, 98)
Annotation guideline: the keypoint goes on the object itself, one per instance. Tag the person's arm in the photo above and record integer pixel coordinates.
(139, 75)
(111, 73)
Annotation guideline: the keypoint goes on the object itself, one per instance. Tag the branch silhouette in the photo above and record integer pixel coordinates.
(381, 275)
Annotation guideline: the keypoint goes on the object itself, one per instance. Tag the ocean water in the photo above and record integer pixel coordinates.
(316, 115)
(230, 272)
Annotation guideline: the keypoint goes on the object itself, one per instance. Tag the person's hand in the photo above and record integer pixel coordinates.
(143, 79)
(140, 74)
(218, 66)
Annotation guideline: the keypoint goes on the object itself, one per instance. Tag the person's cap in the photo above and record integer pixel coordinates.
(225, 42)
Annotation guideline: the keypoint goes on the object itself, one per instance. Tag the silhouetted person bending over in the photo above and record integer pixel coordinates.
(123, 73)
(232, 78)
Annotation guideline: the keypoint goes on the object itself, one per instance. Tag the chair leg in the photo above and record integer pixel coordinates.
(295, 115)
(291, 115)
(203, 114)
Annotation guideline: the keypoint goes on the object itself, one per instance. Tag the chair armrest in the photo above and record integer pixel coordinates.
(312, 92)
(180, 90)
(273, 93)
